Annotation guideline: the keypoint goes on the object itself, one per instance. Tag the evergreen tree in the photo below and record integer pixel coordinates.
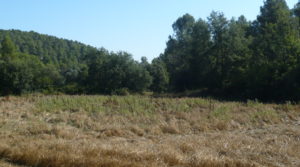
(276, 50)
(218, 54)
(200, 65)
(238, 56)
(177, 55)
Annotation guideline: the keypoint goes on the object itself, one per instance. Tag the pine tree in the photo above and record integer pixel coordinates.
(276, 49)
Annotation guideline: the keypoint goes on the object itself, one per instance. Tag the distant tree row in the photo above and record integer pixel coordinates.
(232, 58)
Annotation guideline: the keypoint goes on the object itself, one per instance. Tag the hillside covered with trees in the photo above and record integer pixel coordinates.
(231, 58)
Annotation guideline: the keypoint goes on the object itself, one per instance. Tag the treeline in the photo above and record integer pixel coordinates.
(230, 58)
(236, 58)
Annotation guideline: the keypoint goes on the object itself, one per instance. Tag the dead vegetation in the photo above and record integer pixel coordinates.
(78, 131)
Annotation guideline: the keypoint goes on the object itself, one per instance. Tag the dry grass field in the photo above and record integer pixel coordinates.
(137, 131)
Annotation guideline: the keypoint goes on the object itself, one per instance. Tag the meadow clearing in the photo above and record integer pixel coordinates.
(137, 131)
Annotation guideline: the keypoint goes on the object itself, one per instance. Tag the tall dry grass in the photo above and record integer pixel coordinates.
(110, 131)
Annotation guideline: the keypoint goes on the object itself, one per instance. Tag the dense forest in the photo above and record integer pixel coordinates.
(230, 58)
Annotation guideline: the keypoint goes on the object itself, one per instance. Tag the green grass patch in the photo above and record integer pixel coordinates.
(119, 104)
(222, 112)
(266, 115)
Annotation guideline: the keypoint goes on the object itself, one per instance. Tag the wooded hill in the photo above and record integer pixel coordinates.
(230, 58)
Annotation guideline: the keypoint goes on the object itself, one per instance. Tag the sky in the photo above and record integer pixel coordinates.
(140, 27)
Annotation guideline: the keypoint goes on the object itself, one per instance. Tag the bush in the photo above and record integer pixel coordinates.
(121, 92)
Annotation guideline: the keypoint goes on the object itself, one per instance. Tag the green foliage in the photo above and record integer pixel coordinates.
(110, 72)
(236, 58)
(276, 48)
(160, 76)
(49, 49)
(66, 58)
(18, 75)
(7, 48)
(121, 92)
(66, 66)
(228, 58)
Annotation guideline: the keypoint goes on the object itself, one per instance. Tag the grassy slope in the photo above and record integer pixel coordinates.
(142, 131)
